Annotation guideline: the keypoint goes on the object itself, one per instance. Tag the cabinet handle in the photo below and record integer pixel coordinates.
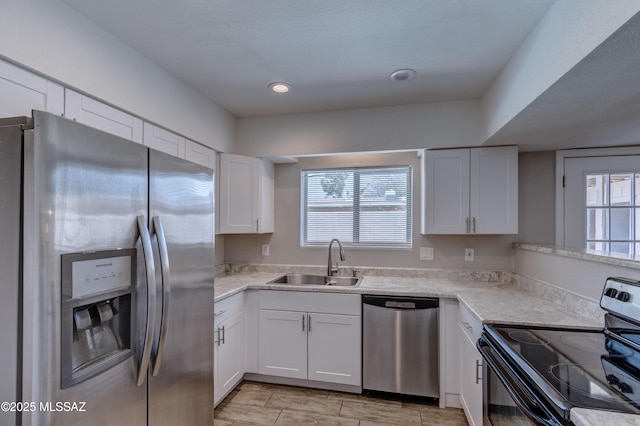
(467, 325)
(222, 335)
(302, 322)
(474, 225)
(257, 225)
(309, 323)
(478, 367)
(220, 312)
(468, 230)
(218, 331)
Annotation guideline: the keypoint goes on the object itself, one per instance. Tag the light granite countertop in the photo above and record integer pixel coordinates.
(492, 302)
(584, 417)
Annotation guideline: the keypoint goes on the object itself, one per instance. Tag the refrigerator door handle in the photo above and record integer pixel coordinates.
(151, 299)
(166, 294)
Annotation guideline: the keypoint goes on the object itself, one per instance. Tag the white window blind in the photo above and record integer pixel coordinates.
(369, 206)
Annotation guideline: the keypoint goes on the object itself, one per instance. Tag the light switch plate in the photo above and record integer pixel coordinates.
(426, 253)
(265, 249)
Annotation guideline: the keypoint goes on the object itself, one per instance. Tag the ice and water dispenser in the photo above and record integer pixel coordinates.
(98, 293)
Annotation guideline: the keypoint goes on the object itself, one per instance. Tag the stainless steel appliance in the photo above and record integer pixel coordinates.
(400, 345)
(537, 375)
(106, 287)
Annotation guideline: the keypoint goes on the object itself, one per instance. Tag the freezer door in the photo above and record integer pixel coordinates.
(181, 208)
(10, 172)
(83, 190)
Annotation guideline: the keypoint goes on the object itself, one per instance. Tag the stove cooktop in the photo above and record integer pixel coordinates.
(574, 368)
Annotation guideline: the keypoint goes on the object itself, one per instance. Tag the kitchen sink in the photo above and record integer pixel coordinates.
(323, 280)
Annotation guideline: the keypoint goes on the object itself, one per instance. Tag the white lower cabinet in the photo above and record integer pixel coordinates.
(334, 348)
(229, 357)
(471, 367)
(321, 343)
(283, 344)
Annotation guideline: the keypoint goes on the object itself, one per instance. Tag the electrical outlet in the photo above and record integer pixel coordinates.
(426, 253)
(468, 254)
(265, 249)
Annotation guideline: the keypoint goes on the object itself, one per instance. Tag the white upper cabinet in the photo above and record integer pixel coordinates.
(164, 141)
(246, 195)
(22, 91)
(102, 116)
(470, 191)
(199, 154)
(445, 186)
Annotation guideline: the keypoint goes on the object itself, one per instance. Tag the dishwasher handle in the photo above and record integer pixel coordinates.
(403, 303)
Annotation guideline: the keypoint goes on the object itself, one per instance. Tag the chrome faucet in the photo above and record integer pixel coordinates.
(330, 269)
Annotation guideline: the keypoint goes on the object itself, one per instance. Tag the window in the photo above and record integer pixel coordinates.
(602, 201)
(613, 212)
(359, 206)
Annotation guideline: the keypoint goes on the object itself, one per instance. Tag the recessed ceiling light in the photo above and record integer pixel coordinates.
(403, 74)
(279, 87)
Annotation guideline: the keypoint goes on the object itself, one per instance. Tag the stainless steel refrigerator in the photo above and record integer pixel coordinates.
(106, 279)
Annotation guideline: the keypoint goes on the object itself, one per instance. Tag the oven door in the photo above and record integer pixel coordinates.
(507, 399)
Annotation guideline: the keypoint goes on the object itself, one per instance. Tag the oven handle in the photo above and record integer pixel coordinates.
(518, 391)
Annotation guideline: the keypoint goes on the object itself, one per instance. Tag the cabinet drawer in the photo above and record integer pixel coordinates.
(228, 307)
(470, 324)
(328, 303)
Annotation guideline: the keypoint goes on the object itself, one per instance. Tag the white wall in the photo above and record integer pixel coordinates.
(491, 252)
(568, 32)
(434, 125)
(51, 39)
(582, 277)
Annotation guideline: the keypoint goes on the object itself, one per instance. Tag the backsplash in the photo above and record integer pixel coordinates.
(452, 274)
(571, 301)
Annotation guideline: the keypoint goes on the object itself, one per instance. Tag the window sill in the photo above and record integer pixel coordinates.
(324, 246)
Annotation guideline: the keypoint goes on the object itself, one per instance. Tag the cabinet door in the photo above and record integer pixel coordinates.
(494, 190)
(471, 371)
(335, 348)
(239, 194)
(102, 116)
(445, 182)
(22, 91)
(283, 343)
(164, 141)
(199, 154)
(230, 355)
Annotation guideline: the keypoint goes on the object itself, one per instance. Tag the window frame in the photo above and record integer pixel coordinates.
(561, 155)
(356, 199)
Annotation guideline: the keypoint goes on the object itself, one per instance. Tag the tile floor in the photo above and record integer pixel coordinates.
(253, 403)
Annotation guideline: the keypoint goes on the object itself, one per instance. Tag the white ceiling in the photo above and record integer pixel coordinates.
(595, 104)
(336, 54)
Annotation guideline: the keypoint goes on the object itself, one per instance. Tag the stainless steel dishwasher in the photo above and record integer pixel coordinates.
(400, 345)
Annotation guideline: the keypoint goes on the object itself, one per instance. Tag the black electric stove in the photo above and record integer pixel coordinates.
(548, 371)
